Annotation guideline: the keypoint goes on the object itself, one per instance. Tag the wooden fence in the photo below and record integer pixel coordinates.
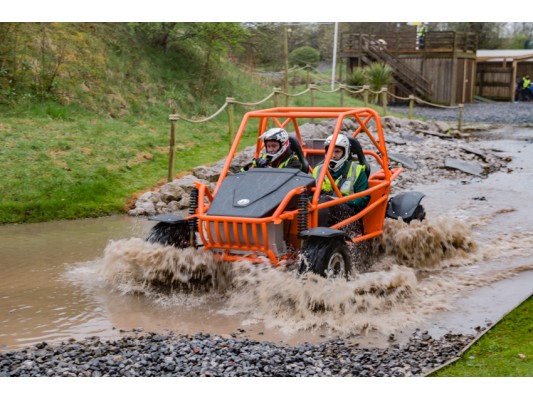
(280, 97)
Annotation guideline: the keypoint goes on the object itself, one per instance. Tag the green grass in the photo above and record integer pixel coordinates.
(86, 166)
(63, 162)
(506, 350)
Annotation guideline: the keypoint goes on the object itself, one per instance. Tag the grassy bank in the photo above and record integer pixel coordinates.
(506, 350)
(84, 165)
(64, 162)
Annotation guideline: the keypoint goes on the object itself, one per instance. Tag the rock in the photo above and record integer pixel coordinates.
(395, 140)
(441, 126)
(465, 166)
(403, 159)
(172, 191)
(474, 151)
(209, 174)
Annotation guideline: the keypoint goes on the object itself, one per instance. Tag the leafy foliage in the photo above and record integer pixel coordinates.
(114, 68)
(303, 56)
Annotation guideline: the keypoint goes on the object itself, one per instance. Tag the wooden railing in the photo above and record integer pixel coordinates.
(404, 40)
(406, 77)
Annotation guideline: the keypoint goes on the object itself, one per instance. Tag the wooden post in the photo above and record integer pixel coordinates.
(453, 78)
(513, 82)
(411, 105)
(312, 88)
(384, 100)
(231, 119)
(276, 91)
(366, 88)
(460, 123)
(172, 145)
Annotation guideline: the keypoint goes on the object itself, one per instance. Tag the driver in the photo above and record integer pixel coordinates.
(278, 151)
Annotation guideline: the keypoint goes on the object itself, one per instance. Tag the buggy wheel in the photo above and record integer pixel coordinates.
(327, 257)
(167, 234)
(420, 213)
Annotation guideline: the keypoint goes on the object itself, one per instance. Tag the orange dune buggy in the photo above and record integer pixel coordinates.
(271, 214)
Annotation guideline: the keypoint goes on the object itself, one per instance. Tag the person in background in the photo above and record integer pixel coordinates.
(527, 88)
(523, 91)
(421, 33)
(349, 176)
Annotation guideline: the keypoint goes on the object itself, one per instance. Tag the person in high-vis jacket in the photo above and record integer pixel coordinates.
(421, 33)
(526, 82)
(349, 176)
(278, 152)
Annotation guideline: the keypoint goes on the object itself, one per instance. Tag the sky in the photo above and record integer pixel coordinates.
(257, 11)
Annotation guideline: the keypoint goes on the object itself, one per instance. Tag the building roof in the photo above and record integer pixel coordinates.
(508, 55)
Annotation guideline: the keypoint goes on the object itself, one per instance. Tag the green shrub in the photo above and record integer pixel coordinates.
(303, 56)
(357, 77)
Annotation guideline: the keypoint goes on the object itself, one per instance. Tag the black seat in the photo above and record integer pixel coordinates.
(357, 151)
(295, 146)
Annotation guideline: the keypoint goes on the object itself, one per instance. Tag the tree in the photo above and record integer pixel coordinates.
(215, 39)
(210, 39)
(159, 33)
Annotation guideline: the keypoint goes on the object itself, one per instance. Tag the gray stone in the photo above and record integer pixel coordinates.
(464, 166)
(403, 159)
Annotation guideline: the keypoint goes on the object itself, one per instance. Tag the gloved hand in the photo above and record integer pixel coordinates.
(262, 162)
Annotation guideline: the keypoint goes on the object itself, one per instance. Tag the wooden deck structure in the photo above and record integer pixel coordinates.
(443, 72)
(498, 70)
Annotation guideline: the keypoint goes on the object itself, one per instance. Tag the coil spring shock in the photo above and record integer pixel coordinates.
(303, 212)
(193, 222)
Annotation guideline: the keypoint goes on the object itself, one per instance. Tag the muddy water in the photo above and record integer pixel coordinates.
(469, 263)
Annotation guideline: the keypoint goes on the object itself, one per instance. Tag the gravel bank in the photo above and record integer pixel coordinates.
(204, 355)
(517, 114)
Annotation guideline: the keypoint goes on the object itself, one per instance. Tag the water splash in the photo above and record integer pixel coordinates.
(134, 265)
(395, 291)
(291, 303)
(424, 245)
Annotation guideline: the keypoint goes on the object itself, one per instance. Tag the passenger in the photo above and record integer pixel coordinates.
(350, 177)
(278, 152)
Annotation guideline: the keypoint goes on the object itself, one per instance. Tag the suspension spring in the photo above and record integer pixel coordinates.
(193, 205)
(303, 212)
(193, 222)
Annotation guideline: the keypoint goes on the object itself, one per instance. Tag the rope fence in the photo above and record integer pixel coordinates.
(380, 96)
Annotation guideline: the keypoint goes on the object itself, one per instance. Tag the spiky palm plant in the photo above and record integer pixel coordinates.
(357, 77)
(378, 75)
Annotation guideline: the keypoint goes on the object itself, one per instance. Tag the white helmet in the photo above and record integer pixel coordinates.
(342, 142)
(279, 135)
